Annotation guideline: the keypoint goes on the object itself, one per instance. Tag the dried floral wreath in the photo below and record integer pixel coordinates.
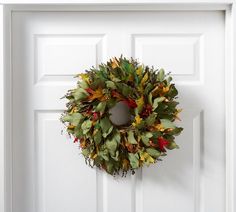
(151, 98)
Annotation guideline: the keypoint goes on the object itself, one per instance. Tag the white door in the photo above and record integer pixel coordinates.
(48, 48)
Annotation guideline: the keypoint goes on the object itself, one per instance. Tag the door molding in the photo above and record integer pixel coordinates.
(6, 11)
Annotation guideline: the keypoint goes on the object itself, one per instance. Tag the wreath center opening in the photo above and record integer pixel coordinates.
(120, 114)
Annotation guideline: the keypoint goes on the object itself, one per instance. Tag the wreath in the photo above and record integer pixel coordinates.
(143, 140)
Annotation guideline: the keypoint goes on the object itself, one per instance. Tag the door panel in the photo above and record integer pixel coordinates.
(49, 48)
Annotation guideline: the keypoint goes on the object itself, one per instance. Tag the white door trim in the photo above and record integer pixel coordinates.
(2, 128)
(5, 76)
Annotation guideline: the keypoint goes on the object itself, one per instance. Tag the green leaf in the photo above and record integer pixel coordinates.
(145, 140)
(148, 88)
(173, 91)
(156, 101)
(78, 131)
(105, 134)
(156, 134)
(117, 137)
(98, 137)
(161, 75)
(111, 103)
(77, 118)
(115, 79)
(105, 124)
(85, 152)
(86, 126)
(145, 137)
(110, 167)
(126, 66)
(168, 80)
(134, 160)
(80, 94)
(111, 146)
(150, 98)
(97, 125)
(131, 138)
(116, 156)
(101, 107)
(124, 89)
(104, 154)
(176, 131)
(153, 152)
(83, 84)
(67, 118)
(172, 145)
(136, 79)
(167, 124)
(148, 134)
(110, 84)
(151, 119)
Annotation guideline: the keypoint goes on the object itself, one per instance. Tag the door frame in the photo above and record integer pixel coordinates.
(6, 10)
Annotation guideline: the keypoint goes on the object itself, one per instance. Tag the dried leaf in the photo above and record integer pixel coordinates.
(97, 94)
(144, 79)
(140, 103)
(139, 71)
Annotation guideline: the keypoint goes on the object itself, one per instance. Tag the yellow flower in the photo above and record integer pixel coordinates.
(159, 127)
(137, 120)
(144, 156)
(84, 77)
